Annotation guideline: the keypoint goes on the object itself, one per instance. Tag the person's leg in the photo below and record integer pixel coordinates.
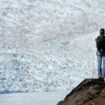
(103, 66)
(99, 58)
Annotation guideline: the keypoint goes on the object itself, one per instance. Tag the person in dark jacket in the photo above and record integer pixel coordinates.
(100, 44)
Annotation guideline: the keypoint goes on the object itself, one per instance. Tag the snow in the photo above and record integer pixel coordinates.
(63, 67)
(53, 79)
(43, 98)
(48, 45)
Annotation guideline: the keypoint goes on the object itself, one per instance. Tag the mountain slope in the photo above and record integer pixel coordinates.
(88, 92)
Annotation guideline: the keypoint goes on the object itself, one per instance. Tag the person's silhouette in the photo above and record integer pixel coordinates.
(100, 44)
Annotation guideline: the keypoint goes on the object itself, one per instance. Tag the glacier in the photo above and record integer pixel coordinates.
(48, 45)
(38, 98)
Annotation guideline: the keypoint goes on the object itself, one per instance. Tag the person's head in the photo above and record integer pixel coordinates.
(102, 31)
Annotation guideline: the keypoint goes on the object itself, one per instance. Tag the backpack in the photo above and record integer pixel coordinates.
(100, 44)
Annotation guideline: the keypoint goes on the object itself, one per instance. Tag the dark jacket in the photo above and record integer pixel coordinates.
(100, 44)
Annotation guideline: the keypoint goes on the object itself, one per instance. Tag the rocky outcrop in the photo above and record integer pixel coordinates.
(88, 92)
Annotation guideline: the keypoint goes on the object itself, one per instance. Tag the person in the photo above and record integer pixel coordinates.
(100, 44)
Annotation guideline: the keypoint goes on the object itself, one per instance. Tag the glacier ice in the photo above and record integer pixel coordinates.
(48, 45)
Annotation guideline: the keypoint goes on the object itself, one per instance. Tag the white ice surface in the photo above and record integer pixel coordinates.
(40, 98)
(48, 45)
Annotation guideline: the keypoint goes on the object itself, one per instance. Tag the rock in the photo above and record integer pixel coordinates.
(88, 92)
(60, 103)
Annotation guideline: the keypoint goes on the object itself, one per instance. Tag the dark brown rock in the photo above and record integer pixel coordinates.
(60, 103)
(88, 92)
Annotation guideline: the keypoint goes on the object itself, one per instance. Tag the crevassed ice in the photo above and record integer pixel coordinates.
(45, 45)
